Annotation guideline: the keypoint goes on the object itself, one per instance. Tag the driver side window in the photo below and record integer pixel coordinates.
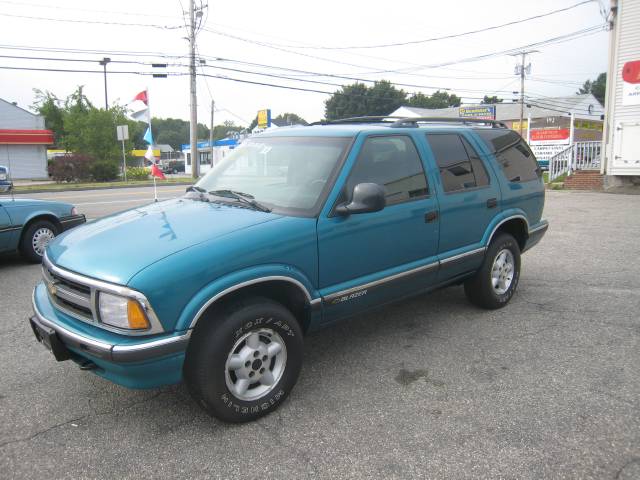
(392, 162)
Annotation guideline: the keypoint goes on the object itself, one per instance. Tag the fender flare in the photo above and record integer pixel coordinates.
(223, 286)
(514, 214)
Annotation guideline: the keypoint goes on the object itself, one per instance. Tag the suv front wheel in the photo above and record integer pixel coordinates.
(495, 283)
(244, 360)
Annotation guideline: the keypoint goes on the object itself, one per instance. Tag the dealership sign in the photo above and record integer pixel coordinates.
(631, 83)
(483, 112)
(550, 135)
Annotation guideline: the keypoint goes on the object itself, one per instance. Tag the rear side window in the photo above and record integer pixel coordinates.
(514, 155)
(392, 162)
(459, 164)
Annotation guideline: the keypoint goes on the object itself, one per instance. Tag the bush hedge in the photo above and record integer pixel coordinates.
(104, 171)
(71, 168)
(137, 173)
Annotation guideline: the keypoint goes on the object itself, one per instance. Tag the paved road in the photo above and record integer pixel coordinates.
(431, 388)
(98, 203)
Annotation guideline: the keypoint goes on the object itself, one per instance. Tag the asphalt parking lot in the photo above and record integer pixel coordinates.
(547, 387)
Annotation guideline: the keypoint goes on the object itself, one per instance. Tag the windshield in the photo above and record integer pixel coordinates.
(283, 173)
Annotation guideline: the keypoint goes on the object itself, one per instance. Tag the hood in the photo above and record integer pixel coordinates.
(31, 202)
(115, 248)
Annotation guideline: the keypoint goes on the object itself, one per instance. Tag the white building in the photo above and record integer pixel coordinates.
(23, 142)
(208, 156)
(621, 143)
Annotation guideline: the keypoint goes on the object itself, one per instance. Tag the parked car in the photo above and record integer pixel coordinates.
(5, 181)
(28, 225)
(291, 232)
(173, 167)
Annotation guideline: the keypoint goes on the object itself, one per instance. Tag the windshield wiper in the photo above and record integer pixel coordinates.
(245, 198)
(195, 188)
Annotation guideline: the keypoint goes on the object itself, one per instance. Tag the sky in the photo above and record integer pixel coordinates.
(310, 43)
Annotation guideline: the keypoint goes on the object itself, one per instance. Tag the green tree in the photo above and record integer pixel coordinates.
(92, 131)
(291, 119)
(487, 100)
(359, 100)
(597, 87)
(438, 99)
(227, 128)
(49, 106)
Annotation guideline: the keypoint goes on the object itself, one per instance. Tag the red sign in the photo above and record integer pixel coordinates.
(26, 137)
(556, 134)
(631, 72)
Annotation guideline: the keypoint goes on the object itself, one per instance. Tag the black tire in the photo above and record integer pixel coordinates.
(214, 338)
(27, 248)
(480, 289)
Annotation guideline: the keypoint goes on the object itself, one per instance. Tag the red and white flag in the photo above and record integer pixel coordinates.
(142, 96)
(139, 107)
(155, 170)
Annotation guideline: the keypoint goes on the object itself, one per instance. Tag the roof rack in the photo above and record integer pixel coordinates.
(366, 119)
(409, 122)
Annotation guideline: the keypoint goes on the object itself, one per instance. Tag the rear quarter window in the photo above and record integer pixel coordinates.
(513, 154)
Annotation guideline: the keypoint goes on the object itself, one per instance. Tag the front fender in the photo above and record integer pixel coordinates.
(222, 286)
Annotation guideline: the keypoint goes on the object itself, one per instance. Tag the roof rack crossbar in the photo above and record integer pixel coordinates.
(365, 119)
(413, 121)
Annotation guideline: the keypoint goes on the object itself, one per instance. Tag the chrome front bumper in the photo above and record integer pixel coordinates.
(112, 352)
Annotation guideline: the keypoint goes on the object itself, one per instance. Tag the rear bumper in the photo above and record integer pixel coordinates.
(72, 221)
(535, 234)
(136, 363)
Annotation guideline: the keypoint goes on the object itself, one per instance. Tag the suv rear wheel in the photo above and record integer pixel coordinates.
(244, 360)
(495, 283)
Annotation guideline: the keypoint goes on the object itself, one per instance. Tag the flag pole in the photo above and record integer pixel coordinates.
(155, 190)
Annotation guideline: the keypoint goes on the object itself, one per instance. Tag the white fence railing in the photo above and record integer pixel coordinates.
(579, 156)
(586, 156)
(560, 163)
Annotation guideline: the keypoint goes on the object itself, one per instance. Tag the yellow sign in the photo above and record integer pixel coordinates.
(141, 153)
(264, 118)
(516, 125)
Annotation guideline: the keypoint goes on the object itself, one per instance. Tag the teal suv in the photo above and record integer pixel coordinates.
(293, 231)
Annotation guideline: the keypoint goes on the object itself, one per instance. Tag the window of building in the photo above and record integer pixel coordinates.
(514, 155)
(392, 162)
(460, 165)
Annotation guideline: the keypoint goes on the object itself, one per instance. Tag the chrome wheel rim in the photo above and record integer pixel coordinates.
(255, 364)
(41, 239)
(502, 271)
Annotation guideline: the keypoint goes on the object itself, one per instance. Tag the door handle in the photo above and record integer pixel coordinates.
(430, 216)
(492, 203)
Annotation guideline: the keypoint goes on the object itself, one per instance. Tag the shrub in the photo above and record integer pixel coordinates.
(137, 173)
(71, 168)
(104, 171)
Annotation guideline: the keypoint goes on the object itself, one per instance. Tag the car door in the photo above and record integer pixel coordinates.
(371, 258)
(6, 229)
(469, 197)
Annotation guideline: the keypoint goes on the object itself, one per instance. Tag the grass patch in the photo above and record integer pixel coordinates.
(90, 185)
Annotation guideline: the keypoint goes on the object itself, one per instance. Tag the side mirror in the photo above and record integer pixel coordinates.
(367, 197)
(5, 187)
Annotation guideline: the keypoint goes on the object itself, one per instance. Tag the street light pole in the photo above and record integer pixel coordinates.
(521, 71)
(104, 62)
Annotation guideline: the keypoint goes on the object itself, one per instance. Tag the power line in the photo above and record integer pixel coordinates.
(75, 9)
(444, 37)
(68, 70)
(96, 22)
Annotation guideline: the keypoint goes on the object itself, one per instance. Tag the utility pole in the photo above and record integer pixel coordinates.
(213, 103)
(104, 62)
(521, 69)
(193, 130)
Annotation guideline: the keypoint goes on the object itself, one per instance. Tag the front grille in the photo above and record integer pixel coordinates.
(71, 297)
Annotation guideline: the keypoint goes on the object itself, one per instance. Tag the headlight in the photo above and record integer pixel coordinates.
(74, 211)
(3, 176)
(122, 312)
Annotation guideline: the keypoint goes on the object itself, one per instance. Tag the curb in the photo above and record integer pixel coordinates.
(18, 191)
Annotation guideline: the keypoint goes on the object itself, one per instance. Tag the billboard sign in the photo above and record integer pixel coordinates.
(546, 135)
(264, 118)
(483, 112)
(631, 83)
